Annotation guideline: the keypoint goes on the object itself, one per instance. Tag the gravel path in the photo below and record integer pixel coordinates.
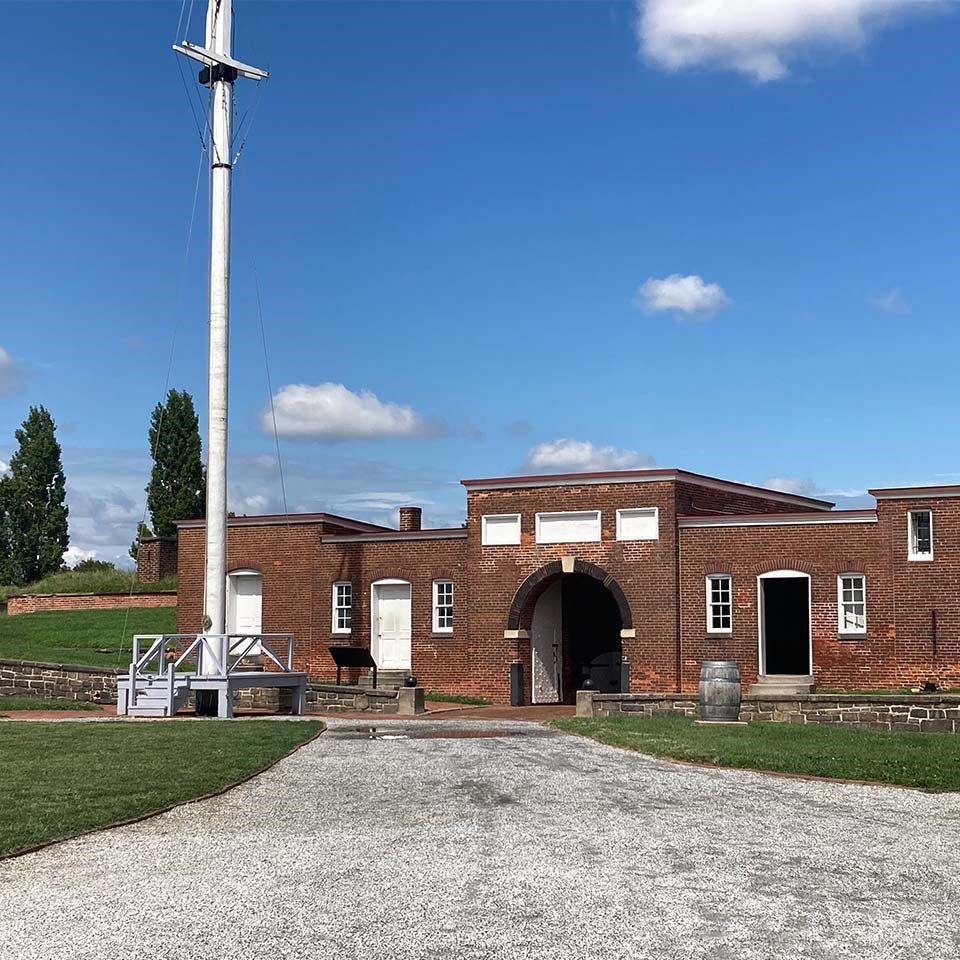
(530, 844)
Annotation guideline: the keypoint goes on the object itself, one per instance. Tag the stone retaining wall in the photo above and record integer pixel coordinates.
(39, 603)
(339, 699)
(919, 712)
(25, 678)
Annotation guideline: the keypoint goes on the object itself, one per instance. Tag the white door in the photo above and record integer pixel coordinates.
(245, 607)
(547, 646)
(392, 649)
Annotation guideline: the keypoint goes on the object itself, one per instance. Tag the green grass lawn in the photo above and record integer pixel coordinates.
(439, 697)
(927, 760)
(93, 637)
(10, 704)
(60, 779)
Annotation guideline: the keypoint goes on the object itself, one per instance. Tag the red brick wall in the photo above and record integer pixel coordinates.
(285, 555)
(645, 571)
(88, 601)
(919, 587)
(156, 559)
(696, 500)
(897, 648)
(438, 661)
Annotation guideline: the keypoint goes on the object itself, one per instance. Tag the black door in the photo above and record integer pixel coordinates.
(786, 625)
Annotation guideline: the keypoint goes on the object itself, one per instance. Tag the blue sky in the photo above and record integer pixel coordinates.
(542, 236)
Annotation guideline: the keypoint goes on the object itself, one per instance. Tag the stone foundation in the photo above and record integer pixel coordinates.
(920, 712)
(404, 701)
(24, 678)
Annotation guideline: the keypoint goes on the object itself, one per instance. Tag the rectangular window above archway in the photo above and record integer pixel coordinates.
(639, 523)
(499, 530)
(574, 526)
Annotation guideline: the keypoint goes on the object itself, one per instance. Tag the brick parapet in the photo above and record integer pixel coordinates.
(45, 603)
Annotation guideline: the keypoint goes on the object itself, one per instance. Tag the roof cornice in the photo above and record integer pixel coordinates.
(780, 519)
(642, 476)
(391, 536)
(913, 493)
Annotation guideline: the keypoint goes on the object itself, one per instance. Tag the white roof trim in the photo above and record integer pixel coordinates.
(775, 520)
(647, 477)
(282, 521)
(916, 493)
(394, 535)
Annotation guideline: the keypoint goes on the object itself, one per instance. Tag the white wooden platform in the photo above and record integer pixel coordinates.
(173, 666)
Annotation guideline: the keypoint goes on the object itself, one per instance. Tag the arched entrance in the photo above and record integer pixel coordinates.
(574, 620)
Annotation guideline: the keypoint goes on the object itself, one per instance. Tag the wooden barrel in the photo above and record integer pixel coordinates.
(719, 690)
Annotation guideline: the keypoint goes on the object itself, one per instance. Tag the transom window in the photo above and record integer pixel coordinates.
(852, 603)
(719, 604)
(342, 607)
(443, 606)
(920, 526)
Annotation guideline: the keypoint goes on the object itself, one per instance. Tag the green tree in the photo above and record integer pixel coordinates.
(33, 528)
(143, 531)
(177, 488)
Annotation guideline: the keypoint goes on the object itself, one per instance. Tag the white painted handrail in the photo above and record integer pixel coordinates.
(170, 654)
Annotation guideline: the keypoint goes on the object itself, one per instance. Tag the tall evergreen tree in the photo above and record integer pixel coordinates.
(177, 488)
(33, 530)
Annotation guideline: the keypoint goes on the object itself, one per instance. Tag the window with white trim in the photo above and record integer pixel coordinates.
(920, 530)
(639, 523)
(342, 607)
(852, 603)
(443, 606)
(500, 530)
(719, 604)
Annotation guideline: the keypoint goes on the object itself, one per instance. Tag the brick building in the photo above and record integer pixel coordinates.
(628, 578)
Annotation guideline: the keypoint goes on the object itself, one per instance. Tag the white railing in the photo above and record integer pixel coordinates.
(208, 655)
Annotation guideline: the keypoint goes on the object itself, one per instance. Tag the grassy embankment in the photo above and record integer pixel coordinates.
(927, 760)
(61, 779)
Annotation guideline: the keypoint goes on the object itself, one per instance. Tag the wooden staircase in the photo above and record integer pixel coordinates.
(156, 696)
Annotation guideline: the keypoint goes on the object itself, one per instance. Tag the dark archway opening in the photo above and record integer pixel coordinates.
(591, 636)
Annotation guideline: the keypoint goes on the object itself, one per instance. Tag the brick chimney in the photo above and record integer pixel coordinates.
(410, 518)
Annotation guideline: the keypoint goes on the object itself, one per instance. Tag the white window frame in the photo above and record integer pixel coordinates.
(912, 554)
(437, 626)
(499, 516)
(638, 511)
(841, 604)
(711, 604)
(337, 607)
(570, 514)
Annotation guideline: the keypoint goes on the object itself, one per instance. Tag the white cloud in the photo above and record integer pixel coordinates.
(580, 455)
(794, 485)
(759, 38)
(689, 296)
(892, 302)
(329, 411)
(11, 374)
(74, 555)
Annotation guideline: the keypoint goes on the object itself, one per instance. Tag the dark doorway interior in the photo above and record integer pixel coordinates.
(591, 636)
(786, 625)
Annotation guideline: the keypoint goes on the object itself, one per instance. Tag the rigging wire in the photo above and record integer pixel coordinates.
(261, 84)
(273, 412)
(166, 381)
